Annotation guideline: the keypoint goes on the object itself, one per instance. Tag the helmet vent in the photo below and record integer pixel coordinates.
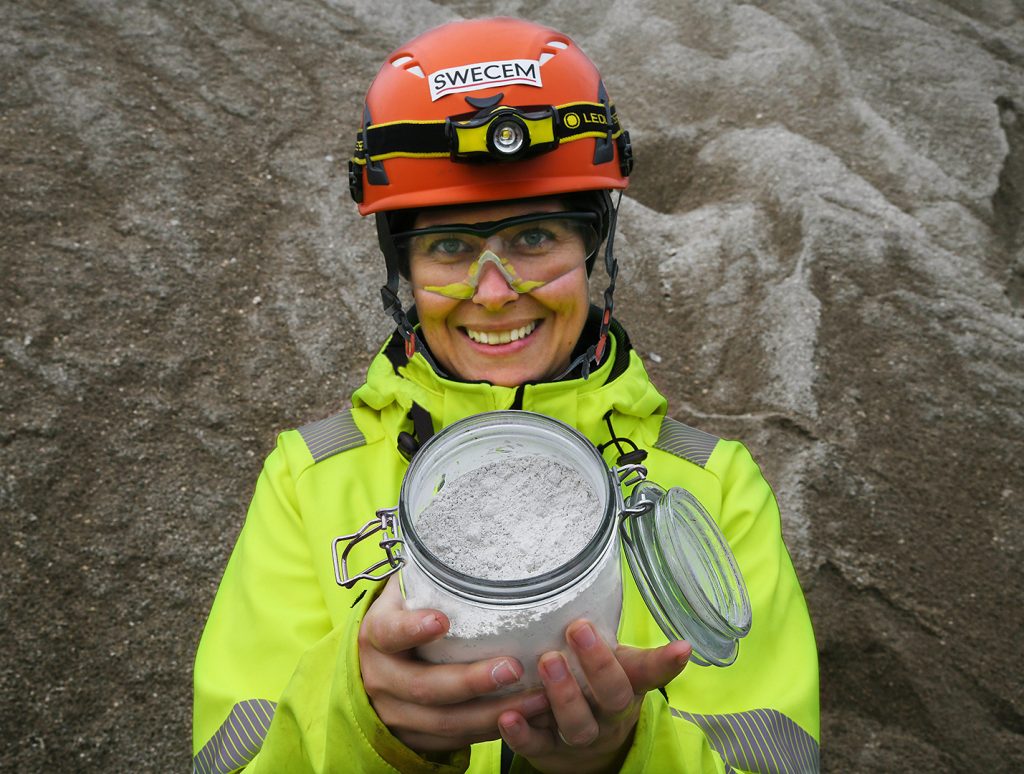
(408, 64)
(547, 56)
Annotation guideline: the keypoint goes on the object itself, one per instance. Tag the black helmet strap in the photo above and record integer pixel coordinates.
(389, 293)
(593, 354)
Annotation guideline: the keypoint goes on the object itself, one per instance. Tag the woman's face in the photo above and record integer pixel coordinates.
(499, 335)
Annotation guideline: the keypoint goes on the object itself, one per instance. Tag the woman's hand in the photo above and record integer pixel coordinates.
(433, 707)
(591, 736)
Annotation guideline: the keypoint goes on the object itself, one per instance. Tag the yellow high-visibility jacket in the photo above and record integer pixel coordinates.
(277, 681)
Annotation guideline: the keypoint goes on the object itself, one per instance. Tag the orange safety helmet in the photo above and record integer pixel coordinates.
(429, 110)
(487, 110)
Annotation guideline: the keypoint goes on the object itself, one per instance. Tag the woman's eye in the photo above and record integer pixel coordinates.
(534, 239)
(449, 247)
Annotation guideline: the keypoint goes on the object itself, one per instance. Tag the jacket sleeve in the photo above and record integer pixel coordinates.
(759, 714)
(275, 678)
(324, 721)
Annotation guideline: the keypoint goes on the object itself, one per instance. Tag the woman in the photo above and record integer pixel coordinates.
(488, 152)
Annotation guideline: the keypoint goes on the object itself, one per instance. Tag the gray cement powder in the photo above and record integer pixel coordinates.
(517, 518)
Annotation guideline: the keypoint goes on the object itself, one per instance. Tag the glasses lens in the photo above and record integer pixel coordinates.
(534, 250)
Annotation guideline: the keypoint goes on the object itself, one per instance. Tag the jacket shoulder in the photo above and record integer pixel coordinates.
(332, 435)
(688, 443)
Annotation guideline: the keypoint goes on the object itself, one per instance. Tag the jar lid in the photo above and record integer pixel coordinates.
(686, 572)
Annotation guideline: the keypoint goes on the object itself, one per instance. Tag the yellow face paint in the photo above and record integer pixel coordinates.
(466, 289)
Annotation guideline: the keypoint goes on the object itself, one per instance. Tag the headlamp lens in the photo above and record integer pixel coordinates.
(508, 137)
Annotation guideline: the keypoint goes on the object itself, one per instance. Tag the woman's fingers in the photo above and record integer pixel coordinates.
(419, 682)
(610, 688)
(525, 737)
(389, 628)
(576, 722)
(591, 721)
(432, 706)
(458, 725)
(649, 669)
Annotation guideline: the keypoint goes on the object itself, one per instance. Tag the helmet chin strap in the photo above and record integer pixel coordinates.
(389, 294)
(592, 356)
(393, 305)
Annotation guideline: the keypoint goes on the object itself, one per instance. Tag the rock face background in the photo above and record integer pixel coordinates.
(823, 255)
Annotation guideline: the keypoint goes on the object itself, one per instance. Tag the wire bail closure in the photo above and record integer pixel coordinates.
(631, 474)
(384, 522)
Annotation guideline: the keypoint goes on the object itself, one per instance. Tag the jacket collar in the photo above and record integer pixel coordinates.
(620, 383)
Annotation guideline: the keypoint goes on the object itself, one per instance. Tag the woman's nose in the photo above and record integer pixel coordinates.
(493, 290)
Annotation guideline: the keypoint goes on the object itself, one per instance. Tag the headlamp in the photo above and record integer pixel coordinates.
(501, 133)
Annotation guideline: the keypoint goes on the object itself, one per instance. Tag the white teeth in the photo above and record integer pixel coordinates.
(501, 337)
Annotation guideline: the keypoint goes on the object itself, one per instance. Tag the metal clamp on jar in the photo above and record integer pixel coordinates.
(679, 559)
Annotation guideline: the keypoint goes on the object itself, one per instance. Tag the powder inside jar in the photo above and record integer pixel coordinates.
(517, 518)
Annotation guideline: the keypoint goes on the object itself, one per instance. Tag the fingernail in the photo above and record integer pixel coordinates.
(431, 625)
(584, 636)
(504, 674)
(555, 669)
(534, 705)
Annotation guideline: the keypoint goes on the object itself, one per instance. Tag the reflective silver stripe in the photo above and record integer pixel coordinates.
(761, 740)
(329, 436)
(686, 442)
(237, 740)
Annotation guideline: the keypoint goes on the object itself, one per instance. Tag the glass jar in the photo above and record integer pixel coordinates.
(664, 534)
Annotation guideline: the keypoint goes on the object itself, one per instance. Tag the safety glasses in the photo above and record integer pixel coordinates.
(528, 250)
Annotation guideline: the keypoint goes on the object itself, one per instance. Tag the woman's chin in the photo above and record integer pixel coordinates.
(510, 372)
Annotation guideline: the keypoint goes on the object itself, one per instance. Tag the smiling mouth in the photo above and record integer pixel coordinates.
(501, 337)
